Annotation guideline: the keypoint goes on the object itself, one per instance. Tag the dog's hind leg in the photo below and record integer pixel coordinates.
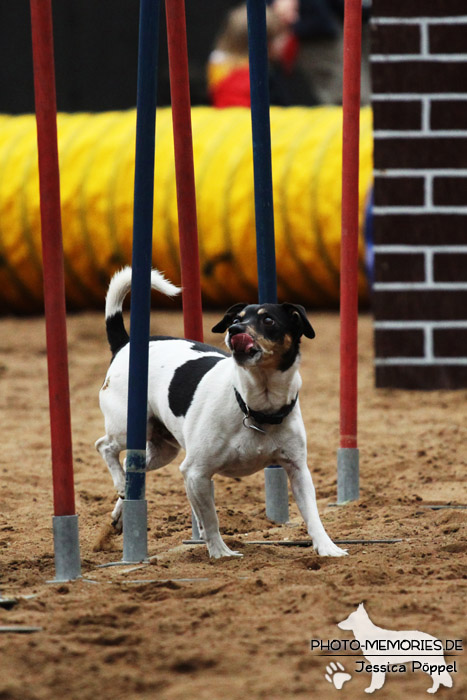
(161, 447)
(198, 488)
(110, 449)
(304, 493)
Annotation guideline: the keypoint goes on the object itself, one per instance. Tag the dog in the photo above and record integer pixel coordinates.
(376, 643)
(233, 413)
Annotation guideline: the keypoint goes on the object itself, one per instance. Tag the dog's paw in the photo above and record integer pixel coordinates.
(219, 549)
(329, 549)
(229, 553)
(117, 516)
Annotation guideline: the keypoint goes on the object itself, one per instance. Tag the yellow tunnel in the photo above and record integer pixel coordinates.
(97, 173)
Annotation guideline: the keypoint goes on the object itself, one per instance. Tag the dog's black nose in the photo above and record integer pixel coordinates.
(236, 328)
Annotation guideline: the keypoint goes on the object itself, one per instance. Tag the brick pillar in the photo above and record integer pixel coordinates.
(419, 80)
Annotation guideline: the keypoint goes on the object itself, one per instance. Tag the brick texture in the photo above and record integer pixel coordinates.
(398, 115)
(420, 229)
(450, 342)
(422, 377)
(418, 8)
(446, 305)
(450, 266)
(399, 267)
(419, 75)
(409, 343)
(447, 114)
(399, 191)
(449, 191)
(424, 152)
(448, 38)
(406, 76)
(395, 39)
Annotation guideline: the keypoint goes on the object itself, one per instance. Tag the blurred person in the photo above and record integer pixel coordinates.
(316, 47)
(228, 68)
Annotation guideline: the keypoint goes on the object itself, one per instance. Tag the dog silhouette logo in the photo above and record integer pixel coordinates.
(391, 650)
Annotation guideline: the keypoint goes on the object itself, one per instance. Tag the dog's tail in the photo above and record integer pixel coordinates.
(119, 286)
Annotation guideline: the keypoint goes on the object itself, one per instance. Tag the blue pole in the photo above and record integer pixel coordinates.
(260, 123)
(142, 248)
(277, 503)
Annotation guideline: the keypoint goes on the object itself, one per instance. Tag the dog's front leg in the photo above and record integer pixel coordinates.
(198, 488)
(304, 494)
(377, 681)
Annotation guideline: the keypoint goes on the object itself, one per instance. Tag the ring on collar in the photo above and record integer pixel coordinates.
(260, 417)
(253, 427)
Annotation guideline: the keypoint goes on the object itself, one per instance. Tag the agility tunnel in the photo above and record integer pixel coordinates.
(97, 182)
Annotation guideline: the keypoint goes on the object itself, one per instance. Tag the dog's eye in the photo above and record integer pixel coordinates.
(268, 321)
(237, 319)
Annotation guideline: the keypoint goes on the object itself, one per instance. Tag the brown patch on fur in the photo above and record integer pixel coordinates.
(272, 350)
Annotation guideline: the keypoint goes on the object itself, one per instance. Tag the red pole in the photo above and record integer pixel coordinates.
(349, 247)
(52, 255)
(184, 168)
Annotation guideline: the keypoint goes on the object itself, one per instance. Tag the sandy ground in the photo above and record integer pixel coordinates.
(238, 628)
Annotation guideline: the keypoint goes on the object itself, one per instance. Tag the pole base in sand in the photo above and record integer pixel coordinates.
(277, 494)
(135, 531)
(347, 474)
(66, 547)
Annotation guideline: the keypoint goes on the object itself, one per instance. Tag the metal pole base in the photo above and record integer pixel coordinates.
(66, 547)
(277, 494)
(347, 474)
(135, 531)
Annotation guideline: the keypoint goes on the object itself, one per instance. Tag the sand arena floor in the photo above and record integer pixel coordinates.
(239, 628)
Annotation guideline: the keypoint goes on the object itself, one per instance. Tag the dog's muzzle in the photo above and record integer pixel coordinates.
(242, 342)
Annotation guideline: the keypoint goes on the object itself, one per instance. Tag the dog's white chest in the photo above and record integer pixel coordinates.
(247, 453)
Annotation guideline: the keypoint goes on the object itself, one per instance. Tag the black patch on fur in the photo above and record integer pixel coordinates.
(185, 382)
(194, 344)
(118, 338)
(116, 333)
(289, 357)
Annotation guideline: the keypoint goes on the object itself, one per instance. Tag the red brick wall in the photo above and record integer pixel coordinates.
(419, 82)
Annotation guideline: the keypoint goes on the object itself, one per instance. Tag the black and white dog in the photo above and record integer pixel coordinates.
(233, 414)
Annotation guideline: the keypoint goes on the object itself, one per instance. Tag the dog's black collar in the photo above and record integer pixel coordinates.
(261, 418)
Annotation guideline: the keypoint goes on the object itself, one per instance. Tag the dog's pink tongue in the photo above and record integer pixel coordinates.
(241, 342)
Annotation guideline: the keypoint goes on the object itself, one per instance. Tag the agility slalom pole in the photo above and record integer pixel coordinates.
(277, 501)
(262, 166)
(65, 521)
(135, 505)
(184, 169)
(348, 454)
(185, 182)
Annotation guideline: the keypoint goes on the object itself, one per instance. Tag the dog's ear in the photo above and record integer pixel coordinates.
(299, 318)
(228, 318)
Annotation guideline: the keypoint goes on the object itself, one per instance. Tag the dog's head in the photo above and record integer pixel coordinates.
(354, 620)
(267, 335)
